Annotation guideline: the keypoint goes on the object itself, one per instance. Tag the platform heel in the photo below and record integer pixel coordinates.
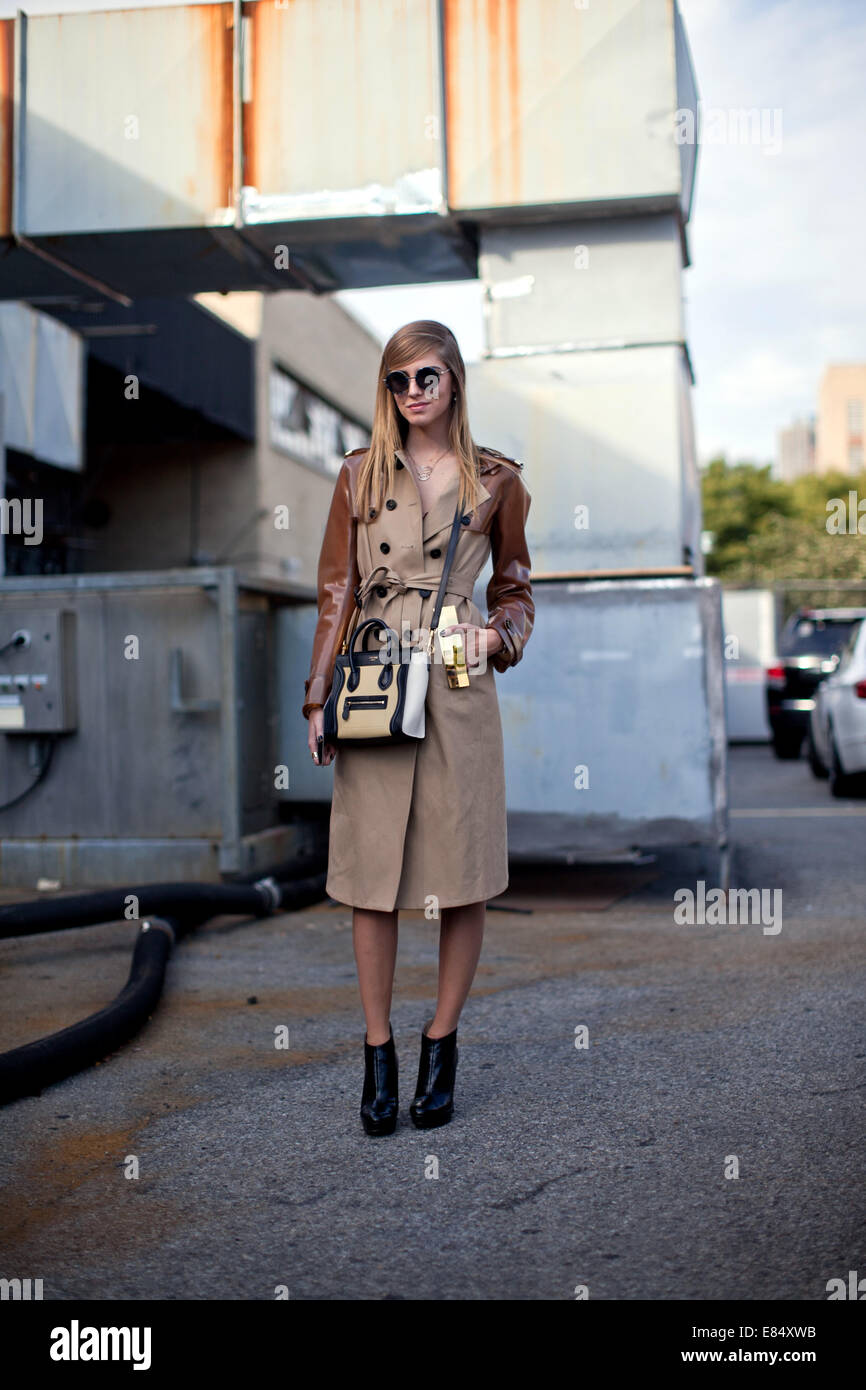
(434, 1095)
(379, 1097)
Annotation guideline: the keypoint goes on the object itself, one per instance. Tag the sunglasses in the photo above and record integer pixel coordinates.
(426, 377)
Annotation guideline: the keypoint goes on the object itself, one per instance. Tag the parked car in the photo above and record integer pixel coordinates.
(837, 724)
(809, 650)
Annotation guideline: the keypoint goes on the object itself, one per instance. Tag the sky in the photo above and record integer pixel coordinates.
(776, 289)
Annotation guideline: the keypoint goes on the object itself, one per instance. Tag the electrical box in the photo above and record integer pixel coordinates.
(37, 672)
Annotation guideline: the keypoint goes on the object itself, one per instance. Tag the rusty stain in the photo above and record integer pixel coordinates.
(489, 30)
(61, 1185)
(249, 109)
(224, 64)
(7, 118)
(215, 122)
(199, 39)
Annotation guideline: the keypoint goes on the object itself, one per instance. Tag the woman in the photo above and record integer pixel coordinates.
(421, 824)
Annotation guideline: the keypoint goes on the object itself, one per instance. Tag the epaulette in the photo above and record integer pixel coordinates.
(363, 449)
(500, 457)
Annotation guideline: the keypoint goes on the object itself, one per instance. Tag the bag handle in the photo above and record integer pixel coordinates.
(363, 630)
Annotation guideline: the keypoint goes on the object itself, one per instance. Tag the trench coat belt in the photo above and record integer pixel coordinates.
(458, 583)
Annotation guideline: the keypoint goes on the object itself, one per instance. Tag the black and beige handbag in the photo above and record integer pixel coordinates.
(375, 696)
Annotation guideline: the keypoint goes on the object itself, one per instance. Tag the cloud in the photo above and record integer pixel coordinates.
(777, 288)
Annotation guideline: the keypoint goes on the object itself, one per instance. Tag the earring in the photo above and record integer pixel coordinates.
(454, 398)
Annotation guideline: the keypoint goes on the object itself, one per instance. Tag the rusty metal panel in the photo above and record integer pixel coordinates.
(7, 108)
(553, 104)
(126, 120)
(341, 109)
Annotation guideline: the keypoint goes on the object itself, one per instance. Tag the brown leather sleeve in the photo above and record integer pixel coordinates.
(337, 577)
(510, 605)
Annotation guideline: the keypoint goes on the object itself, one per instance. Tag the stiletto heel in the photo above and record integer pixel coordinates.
(434, 1095)
(379, 1097)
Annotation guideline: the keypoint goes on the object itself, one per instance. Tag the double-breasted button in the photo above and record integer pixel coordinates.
(381, 590)
(434, 554)
(465, 520)
(372, 511)
(384, 547)
(390, 504)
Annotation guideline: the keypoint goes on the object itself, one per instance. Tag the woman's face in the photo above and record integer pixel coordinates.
(421, 406)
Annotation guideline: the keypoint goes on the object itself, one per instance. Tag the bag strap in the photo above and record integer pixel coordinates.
(350, 628)
(446, 569)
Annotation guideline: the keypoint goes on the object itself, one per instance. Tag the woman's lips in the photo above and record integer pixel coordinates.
(419, 405)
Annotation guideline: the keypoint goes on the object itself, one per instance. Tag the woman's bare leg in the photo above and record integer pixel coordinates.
(374, 935)
(460, 938)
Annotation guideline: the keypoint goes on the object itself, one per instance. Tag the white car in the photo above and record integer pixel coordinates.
(837, 726)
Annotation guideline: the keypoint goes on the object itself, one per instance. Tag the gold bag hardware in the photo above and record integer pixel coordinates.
(452, 648)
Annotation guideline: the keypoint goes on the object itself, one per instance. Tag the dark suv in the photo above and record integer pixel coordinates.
(809, 650)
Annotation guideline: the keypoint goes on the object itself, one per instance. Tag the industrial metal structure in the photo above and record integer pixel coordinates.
(548, 150)
(153, 707)
(750, 622)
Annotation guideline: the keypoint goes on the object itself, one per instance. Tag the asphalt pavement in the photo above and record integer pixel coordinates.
(706, 1143)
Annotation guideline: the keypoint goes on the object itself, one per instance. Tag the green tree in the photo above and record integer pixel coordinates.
(766, 532)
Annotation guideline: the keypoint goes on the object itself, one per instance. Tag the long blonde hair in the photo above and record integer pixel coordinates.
(390, 430)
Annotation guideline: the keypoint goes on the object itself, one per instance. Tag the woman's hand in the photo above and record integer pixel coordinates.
(477, 641)
(315, 725)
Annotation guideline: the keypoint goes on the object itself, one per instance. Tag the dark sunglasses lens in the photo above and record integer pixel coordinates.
(428, 380)
(397, 382)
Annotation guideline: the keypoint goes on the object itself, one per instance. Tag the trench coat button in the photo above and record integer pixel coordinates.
(434, 554)
(372, 511)
(381, 590)
(390, 504)
(384, 547)
(465, 520)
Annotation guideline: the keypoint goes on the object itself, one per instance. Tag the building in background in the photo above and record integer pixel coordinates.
(795, 450)
(841, 408)
(170, 433)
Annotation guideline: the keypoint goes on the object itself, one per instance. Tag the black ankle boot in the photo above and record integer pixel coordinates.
(434, 1095)
(379, 1098)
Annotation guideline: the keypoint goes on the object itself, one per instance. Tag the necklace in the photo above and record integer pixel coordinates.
(424, 473)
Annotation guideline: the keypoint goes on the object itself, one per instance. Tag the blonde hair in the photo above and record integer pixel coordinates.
(390, 429)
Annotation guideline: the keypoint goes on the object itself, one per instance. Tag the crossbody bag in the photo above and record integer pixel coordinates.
(373, 699)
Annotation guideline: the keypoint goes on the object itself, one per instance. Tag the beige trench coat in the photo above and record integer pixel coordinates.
(422, 824)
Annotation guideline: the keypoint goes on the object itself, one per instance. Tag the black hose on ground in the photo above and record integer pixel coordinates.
(189, 903)
(173, 909)
(26, 1070)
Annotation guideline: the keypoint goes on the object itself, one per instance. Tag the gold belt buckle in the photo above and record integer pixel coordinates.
(453, 648)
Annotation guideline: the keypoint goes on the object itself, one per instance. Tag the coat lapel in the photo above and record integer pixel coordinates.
(441, 514)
